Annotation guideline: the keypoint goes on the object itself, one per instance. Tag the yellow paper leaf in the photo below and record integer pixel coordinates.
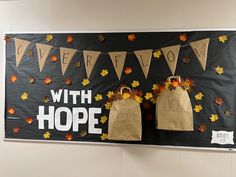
(108, 105)
(198, 108)
(155, 87)
(85, 82)
(110, 94)
(157, 54)
(135, 83)
(98, 97)
(214, 117)
(47, 135)
(126, 95)
(148, 96)
(167, 84)
(49, 37)
(154, 101)
(103, 119)
(24, 96)
(104, 72)
(199, 96)
(219, 70)
(104, 136)
(222, 38)
(138, 99)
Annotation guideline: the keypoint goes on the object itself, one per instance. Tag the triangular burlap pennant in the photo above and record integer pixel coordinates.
(20, 47)
(118, 60)
(66, 57)
(144, 58)
(171, 55)
(90, 59)
(43, 52)
(200, 49)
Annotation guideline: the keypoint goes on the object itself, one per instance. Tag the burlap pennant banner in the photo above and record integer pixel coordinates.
(66, 55)
(20, 47)
(43, 51)
(118, 60)
(200, 49)
(144, 58)
(171, 55)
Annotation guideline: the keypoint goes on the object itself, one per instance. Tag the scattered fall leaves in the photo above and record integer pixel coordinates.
(138, 99)
(218, 100)
(104, 136)
(85, 82)
(11, 110)
(131, 37)
(214, 117)
(69, 136)
(148, 96)
(103, 119)
(219, 70)
(202, 128)
(31, 80)
(77, 64)
(101, 38)
(222, 38)
(47, 80)
(16, 130)
(155, 87)
(13, 78)
(157, 54)
(199, 96)
(135, 83)
(126, 95)
(7, 38)
(110, 94)
(68, 81)
(108, 105)
(46, 99)
(54, 58)
(128, 70)
(69, 39)
(24, 96)
(183, 37)
(98, 97)
(198, 108)
(47, 135)
(29, 120)
(49, 37)
(104, 72)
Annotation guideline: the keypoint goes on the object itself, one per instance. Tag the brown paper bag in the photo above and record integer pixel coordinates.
(174, 110)
(125, 123)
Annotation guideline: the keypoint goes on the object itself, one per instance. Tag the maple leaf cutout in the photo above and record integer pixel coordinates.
(199, 96)
(104, 72)
(85, 82)
(110, 94)
(214, 117)
(98, 97)
(138, 99)
(131, 37)
(49, 37)
(108, 105)
(11, 110)
(29, 120)
(135, 83)
(69, 137)
(148, 96)
(125, 95)
(219, 70)
(104, 136)
(13, 78)
(54, 58)
(157, 54)
(198, 108)
(222, 38)
(183, 37)
(47, 135)
(103, 119)
(202, 128)
(24, 96)
(218, 100)
(128, 70)
(69, 39)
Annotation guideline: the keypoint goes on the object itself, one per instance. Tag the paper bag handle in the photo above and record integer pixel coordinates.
(122, 88)
(178, 78)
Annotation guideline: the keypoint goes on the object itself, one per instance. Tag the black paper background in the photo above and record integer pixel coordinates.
(208, 82)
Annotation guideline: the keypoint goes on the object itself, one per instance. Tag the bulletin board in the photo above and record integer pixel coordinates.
(48, 75)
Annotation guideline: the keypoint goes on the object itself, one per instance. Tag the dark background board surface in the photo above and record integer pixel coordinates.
(207, 82)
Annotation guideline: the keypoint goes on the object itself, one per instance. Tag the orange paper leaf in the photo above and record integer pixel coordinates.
(54, 58)
(11, 110)
(183, 37)
(128, 70)
(29, 120)
(131, 37)
(69, 137)
(218, 100)
(16, 130)
(68, 81)
(202, 128)
(69, 39)
(47, 80)
(13, 78)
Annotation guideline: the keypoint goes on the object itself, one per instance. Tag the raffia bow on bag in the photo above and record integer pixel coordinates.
(174, 109)
(125, 123)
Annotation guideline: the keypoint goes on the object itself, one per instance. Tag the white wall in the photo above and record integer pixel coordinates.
(75, 160)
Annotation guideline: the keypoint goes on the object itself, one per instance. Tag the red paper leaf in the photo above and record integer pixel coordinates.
(218, 100)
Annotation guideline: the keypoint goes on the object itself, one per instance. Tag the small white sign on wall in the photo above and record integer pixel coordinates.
(222, 137)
